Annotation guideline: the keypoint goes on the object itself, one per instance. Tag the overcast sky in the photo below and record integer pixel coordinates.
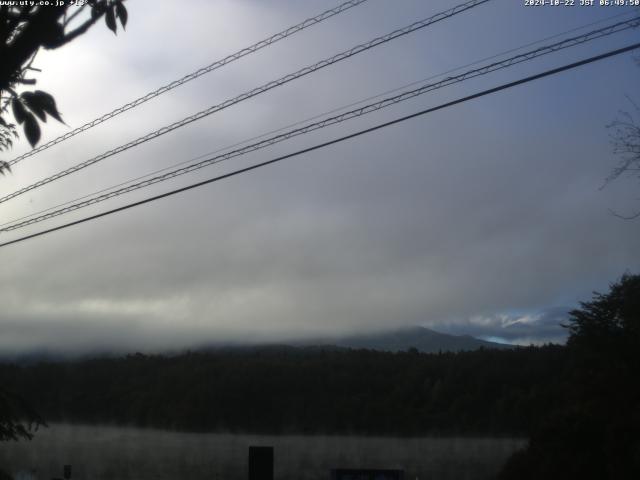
(486, 218)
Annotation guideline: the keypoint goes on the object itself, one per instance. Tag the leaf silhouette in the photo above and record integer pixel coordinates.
(19, 112)
(4, 166)
(48, 104)
(110, 19)
(31, 129)
(32, 101)
(121, 13)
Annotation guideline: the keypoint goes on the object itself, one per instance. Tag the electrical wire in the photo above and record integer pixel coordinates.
(527, 56)
(193, 75)
(252, 93)
(320, 115)
(505, 86)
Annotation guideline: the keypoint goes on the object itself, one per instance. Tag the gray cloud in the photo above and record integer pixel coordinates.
(537, 328)
(448, 221)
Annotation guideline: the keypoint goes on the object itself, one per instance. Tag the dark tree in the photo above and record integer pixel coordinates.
(625, 139)
(609, 323)
(594, 429)
(17, 419)
(24, 30)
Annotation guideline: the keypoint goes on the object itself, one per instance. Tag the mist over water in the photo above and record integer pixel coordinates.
(100, 453)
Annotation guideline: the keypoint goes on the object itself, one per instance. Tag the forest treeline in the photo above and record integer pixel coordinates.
(286, 390)
(578, 404)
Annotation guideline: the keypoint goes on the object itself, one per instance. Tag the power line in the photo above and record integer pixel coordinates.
(300, 122)
(527, 56)
(193, 75)
(505, 86)
(252, 93)
(320, 115)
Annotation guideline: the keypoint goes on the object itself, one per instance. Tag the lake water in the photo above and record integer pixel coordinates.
(101, 453)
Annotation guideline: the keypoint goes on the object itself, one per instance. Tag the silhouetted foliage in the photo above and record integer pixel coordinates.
(610, 323)
(625, 140)
(286, 390)
(25, 27)
(593, 431)
(17, 419)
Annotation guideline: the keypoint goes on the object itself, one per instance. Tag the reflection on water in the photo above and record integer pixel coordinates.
(98, 453)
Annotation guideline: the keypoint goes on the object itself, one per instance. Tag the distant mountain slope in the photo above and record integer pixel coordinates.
(421, 338)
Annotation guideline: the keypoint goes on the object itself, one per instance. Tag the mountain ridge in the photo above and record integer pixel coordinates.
(400, 339)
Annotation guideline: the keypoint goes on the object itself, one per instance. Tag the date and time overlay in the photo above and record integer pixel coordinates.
(582, 3)
(527, 3)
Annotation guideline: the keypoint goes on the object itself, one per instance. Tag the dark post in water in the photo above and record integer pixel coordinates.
(260, 463)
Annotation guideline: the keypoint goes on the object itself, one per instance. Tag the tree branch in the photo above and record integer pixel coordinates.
(77, 32)
(630, 217)
(74, 15)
